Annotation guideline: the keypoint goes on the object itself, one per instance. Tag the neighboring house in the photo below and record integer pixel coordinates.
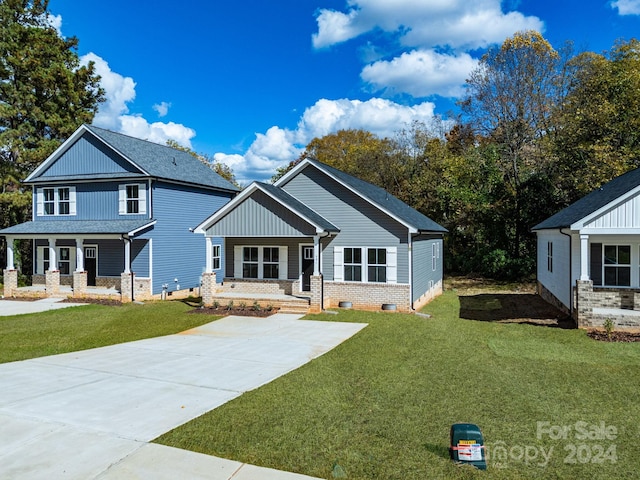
(327, 236)
(112, 213)
(589, 255)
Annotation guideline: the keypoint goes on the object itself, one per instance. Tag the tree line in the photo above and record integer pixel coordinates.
(537, 129)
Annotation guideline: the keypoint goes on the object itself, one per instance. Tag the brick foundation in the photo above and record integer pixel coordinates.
(126, 287)
(10, 282)
(623, 306)
(52, 282)
(142, 288)
(315, 304)
(550, 298)
(79, 284)
(435, 291)
(208, 289)
(367, 296)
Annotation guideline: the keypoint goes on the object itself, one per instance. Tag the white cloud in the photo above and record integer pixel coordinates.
(55, 21)
(113, 114)
(627, 7)
(162, 108)
(425, 29)
(421, 73)
(279, 146)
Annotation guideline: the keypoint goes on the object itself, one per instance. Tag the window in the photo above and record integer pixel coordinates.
(215, 257)
(550, 256)
(64, 261)
(133, 199)
(617, 265)
(49, 201)
(352, 264)
(434, 256)
(250, 262)
(377, 265)
(271, 262)
(56, 201)
(45, 257)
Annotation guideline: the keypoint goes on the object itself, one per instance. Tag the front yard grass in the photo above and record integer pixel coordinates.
(551, 403)
(91, 326)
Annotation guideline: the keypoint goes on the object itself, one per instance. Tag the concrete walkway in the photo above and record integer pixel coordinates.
(90, 414)
(19, 307)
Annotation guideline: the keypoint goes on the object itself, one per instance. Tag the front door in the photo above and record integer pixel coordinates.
(91, 265)
(307, 268)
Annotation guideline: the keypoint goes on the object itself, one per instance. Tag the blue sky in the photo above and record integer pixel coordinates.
(251, 83)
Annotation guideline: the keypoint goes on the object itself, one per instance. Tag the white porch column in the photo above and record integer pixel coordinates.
(584, 257)
(79, 255)
(316, 255)
(53, 261)
(127, 255)
(10, 259)
(208, 255)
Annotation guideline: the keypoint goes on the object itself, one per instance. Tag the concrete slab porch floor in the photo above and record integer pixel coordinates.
(91, 414)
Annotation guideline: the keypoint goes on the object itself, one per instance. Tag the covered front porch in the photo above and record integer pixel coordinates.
(77, 259)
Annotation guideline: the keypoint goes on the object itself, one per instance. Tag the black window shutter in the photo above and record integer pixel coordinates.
(596, 263)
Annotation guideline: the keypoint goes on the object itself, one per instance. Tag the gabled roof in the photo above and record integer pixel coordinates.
(74, 227)
(152, 159)
(377, 196)
(598, 199)
(280, 196)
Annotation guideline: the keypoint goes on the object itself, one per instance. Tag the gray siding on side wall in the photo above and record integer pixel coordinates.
(88, 156)
(261, 216)
(177, 252)
(360, 223)
(423, 271)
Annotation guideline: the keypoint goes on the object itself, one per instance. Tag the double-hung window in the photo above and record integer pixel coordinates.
(270, 262)
(261, 262)
(365, 264)
(64, 260)
(617, 265)
(56, 201)
(377, 265)
(550, 256)
(64, 257)
(250, 262)
(132, 199)
(216, 256)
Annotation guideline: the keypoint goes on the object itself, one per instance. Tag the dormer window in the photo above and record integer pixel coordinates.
(133, 199)
(56, 201)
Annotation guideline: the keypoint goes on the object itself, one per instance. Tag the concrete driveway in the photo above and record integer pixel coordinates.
(90, 414)
(19, 307)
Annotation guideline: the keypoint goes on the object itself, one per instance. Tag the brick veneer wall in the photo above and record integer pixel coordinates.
(244, 285)
(428, 296)
(367, 296)
(590, 297)
(549, 297)
(10, 282)
(142, 288)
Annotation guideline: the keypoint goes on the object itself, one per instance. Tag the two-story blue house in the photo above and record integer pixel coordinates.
(114, 213)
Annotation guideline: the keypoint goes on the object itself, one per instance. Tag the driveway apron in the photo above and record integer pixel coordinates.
(91, 414)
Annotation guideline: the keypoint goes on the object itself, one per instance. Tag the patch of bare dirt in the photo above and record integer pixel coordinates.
(618, 336)
(245, 312)
(96, 301)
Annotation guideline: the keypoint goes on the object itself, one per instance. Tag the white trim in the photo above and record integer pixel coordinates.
(247, 192)
(146, 225)
(283, 261)
(304, 163)
(40, 201)
(123, 199)
(39, 253)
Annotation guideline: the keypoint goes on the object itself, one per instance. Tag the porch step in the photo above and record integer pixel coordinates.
(286, 305)
(297, 307)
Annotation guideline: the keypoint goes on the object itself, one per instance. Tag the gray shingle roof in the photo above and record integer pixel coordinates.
(76, 227)
(299, 207)
(383, 199)
(592, 202)
(161, 161)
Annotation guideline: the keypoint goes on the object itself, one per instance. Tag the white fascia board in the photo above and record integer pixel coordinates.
(411, 228)
(221, 212)
(610, 231)
(133, 232)
(617, 201)
(58, 152)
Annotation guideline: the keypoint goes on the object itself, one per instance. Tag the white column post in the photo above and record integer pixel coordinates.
(316, 255)
(584, 257)
(79, 255)
(208, 255)
(10, 259)
(53, 261)
(127, 255)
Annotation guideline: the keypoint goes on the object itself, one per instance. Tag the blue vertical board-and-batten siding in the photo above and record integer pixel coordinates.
(89, 156)
(177, 252)
(361, 224)
(422, 260)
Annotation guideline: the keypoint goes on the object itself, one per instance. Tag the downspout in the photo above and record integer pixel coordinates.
(410, 257)
(570, 274)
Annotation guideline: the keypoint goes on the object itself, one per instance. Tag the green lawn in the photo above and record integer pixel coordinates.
(90, 326)
(380, 405)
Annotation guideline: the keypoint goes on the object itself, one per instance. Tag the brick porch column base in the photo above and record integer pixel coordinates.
(126, 287)
(315, 305)
(585, 303)
(52, 282)
(79, 284)
(10, 282)
(208, 288)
